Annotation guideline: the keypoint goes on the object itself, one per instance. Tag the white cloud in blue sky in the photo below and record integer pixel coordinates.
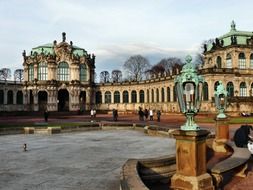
(115, 29)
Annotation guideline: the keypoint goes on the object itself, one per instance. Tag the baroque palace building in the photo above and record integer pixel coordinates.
(60, 77)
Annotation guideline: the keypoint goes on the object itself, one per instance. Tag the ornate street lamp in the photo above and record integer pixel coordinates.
(189, 87)
(220, 97)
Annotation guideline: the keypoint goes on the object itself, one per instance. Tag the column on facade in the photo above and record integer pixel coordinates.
(25, 72)
(155, 94)
(138, 96)
(36, 71)
(121, 96)
(112, 97)
(103, 96)
(145, 96)
(235, 60)
(160, 94)
(247, 56)
(210, 89)
(166, 94)
(5, 96)
(35, 100)
(172, 93)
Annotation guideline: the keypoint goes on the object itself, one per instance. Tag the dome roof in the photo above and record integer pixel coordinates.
(231, 38)
(48, 49)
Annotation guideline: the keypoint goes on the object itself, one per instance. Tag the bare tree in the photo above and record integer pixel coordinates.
(199, 59)
(136, 66)
(19, 75)
(104, 76)
(116, 76)
(5, 73)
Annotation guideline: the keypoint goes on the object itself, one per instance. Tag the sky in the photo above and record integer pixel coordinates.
(114, 30)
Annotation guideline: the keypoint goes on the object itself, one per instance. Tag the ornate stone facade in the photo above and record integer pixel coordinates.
(55, 77)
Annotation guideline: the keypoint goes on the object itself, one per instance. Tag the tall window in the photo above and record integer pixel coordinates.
(134, 96)
(157, 95)
(98, 97)
(147, 96)
(229, 61)
(19, 97)
(218, 62)
(108, 98)
(152, 95)
(215, 85)
(83, 72)
(230, 89)
(168, 94)
(125, 97)
(63, 71)
(205, 91)
(31, 72)
(9, 97)
(1, 97)
(116, 97)
(42, 71)
(175, 93)
(141, 96)
(242, 61)
(251, 61)
(162, 100)
(243, 89)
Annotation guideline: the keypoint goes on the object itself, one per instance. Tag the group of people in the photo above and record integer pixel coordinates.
(148, 113)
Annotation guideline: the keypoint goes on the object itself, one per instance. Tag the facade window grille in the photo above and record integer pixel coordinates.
(243, 89)
(168, 94)
(83, 72)
(205, 92)
(230, 89)
(19, 97)
(229, 61)
(125, 97)
(251, 61)
(98, 97)
(42, 71)
(31, 72)
(108, 98)
(63, 72)
(242, 61)
(141, 96)
(116, 97)
(134, 96)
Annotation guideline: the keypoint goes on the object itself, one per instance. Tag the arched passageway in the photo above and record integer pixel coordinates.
(42, 100)
(63, 100)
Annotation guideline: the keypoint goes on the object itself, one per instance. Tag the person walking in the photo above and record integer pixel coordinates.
(158, 113)
(91, 113)
(151, 115)
(146, 113)
(46, 115)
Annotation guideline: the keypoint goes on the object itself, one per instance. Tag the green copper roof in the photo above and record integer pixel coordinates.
(49, 49)
(241, 37)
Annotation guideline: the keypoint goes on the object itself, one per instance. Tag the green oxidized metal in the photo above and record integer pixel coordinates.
(220, 96)
(189, 87)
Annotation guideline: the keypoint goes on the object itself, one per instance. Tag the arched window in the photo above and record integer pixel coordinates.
(228, 61)
(205, 92)
(243, 89)
(83, 72)
(218, 62)
(251, 61)
(30, 72)
(108, 98)
(162, 100)
(168, 94)
(134, 96)
(152, 96)
(19, 97)
(242, 61)
(1, 97)
(116, 97)
(63, 71)
(42, 71)
(147, 96)
(125, 97)
(98, 97)
(141, 96)
(175, 93)
(10, 97)
(230, 89)
(215, 85)
(157, 95)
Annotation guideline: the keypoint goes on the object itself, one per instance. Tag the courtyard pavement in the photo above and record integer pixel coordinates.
(87, 160)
